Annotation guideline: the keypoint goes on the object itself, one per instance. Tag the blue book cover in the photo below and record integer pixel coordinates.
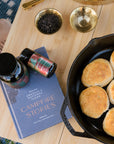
(37, 105)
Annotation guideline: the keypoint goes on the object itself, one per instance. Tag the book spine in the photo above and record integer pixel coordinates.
(11, 110)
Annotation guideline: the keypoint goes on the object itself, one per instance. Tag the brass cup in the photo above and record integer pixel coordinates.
(94, 2)
(83, 19)
(48, 11)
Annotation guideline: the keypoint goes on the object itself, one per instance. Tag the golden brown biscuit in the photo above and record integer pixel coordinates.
(94, 101)
(108, 123)
(110, 91)
(98, 72)
(112, 60)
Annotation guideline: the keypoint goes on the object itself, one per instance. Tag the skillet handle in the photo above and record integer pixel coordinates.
(68, 125)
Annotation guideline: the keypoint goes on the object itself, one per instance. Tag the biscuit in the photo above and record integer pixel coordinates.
(110, 91)
(108, 123)
(98, 72)
(112, 60)
(94, 101)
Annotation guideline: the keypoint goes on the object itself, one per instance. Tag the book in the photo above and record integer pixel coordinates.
(37, 105)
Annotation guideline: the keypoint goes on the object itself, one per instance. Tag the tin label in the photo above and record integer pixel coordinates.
(40, 64)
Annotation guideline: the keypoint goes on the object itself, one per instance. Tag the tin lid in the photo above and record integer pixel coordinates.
(7, 64)
(25, 55)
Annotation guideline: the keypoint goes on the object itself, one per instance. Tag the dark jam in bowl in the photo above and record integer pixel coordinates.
(49, 23)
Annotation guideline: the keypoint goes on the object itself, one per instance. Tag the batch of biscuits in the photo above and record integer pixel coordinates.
(98, 97)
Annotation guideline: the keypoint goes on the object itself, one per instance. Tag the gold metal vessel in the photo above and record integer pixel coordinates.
(94, 2)
(83, 19)
(31, 3)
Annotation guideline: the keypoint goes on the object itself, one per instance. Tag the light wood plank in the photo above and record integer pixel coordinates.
(62, 47)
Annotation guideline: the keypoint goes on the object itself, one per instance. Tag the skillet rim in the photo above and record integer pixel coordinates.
(92, 41)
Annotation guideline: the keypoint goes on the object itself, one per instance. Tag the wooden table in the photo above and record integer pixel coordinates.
(62, 47)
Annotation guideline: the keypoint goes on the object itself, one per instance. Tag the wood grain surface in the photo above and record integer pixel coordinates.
(62, 47)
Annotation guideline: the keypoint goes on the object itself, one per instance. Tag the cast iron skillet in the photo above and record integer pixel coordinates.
(101, 47)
